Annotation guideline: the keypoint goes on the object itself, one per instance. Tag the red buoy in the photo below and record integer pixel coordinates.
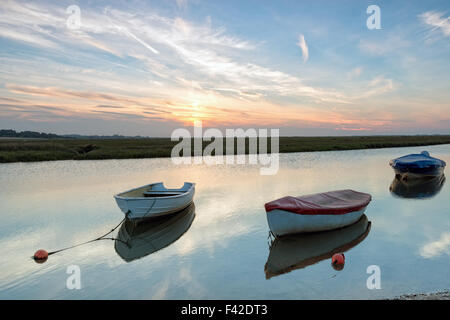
(40, 256)
(338, 261)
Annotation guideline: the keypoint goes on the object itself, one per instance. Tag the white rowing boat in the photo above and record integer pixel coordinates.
(316, 212)
(154, 200)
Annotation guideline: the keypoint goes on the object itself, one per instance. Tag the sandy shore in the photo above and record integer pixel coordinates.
(444, 295)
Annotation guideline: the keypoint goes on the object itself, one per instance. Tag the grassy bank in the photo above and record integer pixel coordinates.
(26, 150)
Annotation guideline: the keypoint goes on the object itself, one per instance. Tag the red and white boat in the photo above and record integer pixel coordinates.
(316, 212)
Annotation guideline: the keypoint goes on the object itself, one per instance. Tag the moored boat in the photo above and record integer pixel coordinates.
(417, 166)
(154, 200)
(316, 212)
(299, 251)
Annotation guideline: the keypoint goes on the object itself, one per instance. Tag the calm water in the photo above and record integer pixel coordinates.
(224, 248)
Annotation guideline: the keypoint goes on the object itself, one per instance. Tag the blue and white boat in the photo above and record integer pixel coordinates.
(418, 166)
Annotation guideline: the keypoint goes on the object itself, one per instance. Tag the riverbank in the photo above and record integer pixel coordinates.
(444, 295)
(27, 150)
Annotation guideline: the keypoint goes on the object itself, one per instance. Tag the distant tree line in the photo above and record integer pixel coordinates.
(27, 134)
(33, 134)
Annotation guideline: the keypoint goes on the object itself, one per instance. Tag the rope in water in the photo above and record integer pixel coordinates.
(43, 255)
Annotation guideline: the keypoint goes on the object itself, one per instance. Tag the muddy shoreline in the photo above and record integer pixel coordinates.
(442, 295)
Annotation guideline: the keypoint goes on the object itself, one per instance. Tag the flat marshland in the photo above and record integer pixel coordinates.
(26, 150)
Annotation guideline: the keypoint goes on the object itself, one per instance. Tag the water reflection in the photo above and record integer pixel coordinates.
(299, 251)
(137, 241)
(36, 215)
(423, 188)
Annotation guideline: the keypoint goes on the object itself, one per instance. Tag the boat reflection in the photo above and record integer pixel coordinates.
(137, 241)
(299, 251)
(423, 188)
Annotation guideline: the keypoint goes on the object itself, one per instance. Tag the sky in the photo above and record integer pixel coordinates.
(309, 68)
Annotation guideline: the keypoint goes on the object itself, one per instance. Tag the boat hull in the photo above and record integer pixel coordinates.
(137, 208)
(283, 222)
(419, 173)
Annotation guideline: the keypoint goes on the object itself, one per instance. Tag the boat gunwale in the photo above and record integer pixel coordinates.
(332, 214)
(120, 195)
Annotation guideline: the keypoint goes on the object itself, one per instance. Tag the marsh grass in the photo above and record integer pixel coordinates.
(26, 150)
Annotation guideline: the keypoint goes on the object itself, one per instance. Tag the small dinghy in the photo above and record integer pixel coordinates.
(300, 251)
(154, 200)
(316, 212)
(417, 166)
(424, 188)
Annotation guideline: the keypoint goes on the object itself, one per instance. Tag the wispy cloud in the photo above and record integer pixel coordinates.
(102, 106)
(304, 47)
(24, 36)
(131, 35)
(205, 54)
(436, 21)
(377, 86)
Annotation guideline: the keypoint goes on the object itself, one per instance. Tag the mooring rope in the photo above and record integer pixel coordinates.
(103, 237)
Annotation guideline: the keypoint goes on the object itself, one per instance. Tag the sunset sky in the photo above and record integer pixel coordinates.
(149, 67)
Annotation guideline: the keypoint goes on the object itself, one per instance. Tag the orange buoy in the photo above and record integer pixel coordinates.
(40, 256)
(338, 261)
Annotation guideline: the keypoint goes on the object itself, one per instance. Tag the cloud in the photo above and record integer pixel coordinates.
(145, 61)
(436, 21)
(437, 248)
(379, 85)
(302, 44)
(76, 100)
(131, 35)
(199, 52)
(109, 107)
(240, 92)
(24, 36)
(119, 114)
